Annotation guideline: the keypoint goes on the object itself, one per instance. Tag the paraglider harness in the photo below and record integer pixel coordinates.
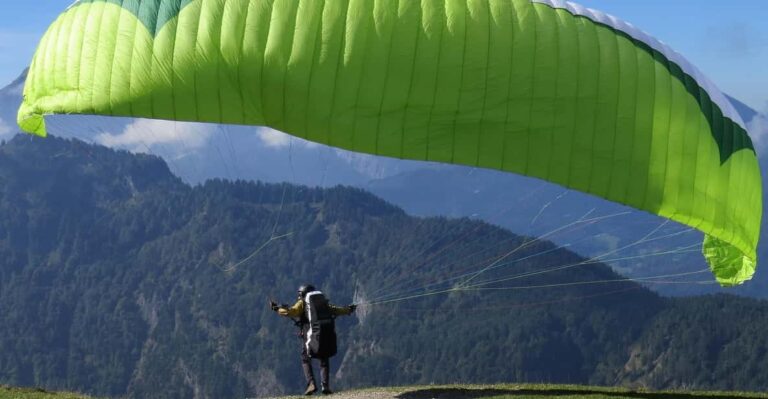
(317, 326)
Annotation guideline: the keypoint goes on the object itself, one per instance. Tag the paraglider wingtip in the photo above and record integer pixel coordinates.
(730, 265)
(32, 123)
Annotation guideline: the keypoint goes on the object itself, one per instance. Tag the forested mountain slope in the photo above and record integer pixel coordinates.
(118, 279)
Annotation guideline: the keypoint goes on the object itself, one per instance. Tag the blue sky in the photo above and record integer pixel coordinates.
(728, 40)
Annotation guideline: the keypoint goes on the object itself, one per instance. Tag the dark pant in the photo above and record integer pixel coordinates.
(306, 364)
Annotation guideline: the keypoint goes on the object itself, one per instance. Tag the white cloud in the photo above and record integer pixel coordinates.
(276, 139)
(142, 135)
(758, 130)
(4, 128)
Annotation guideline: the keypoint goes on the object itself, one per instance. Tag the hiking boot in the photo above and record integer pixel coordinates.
(311, 388)
(326, 390)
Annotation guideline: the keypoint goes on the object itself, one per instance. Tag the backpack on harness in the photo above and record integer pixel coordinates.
(321, 337)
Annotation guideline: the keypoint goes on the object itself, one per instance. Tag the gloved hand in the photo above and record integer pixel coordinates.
(352, 308)
(273, 306)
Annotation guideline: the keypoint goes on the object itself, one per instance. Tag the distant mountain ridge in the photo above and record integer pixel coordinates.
(17, 86)
(744, 110)
(515, 202)
(10, 99)
(118, 279)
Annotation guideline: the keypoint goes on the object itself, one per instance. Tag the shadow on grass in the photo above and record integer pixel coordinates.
(463, 393)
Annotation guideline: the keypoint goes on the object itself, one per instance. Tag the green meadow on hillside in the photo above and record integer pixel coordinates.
(7, 392)
(527, 391)
(530, 391)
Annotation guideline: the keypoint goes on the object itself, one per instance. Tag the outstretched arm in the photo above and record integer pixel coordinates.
(343, 310)
(294, 311)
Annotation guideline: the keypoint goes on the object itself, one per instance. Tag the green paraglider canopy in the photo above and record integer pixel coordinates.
(543, 88)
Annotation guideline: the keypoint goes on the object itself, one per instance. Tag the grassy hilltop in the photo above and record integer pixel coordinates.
(529, 391)
(516, 391)
(7, 392)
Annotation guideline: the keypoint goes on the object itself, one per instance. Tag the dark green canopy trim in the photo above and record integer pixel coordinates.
(154, 14)
(729, 135)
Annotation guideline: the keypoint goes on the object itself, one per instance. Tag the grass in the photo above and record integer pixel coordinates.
(532, 391)
(7, 392)
(504, 391)
(539, 391)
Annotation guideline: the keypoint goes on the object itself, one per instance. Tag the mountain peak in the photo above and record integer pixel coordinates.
(17, 86)
(745, 111)
(103, 174)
